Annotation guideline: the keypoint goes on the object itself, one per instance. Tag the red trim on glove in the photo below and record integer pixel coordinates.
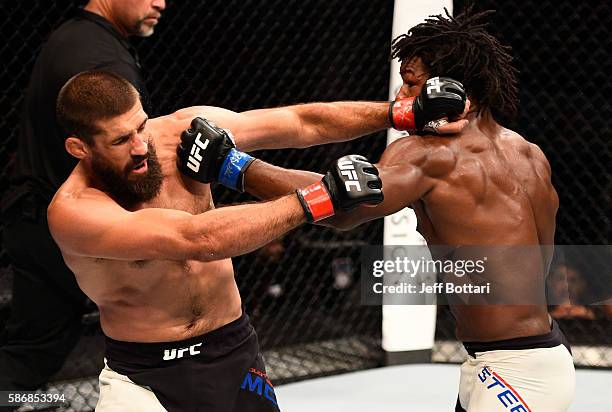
(318, 201)
(402, 114)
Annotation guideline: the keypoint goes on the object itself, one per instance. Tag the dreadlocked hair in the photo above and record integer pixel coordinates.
(460, 47)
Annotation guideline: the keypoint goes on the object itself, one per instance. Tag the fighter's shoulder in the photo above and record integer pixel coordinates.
(72, 199)
(432, 154)
(218, 115)
(530, 150)
(167, 128)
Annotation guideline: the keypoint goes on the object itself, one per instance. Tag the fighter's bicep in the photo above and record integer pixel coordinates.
(252, 130)
(108, 231)
(402, 185)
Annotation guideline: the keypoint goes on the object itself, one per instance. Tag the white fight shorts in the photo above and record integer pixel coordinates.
(531, 374)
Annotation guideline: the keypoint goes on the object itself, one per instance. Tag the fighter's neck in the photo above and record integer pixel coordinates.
(483, 121)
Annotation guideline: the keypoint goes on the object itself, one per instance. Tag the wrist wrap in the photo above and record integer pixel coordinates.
(401, 114)
(316, 202)
(232, 170)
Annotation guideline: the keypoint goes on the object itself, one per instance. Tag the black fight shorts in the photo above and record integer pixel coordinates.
(221, 371)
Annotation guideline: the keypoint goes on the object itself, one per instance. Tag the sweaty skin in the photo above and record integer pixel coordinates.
(484, 186)
(161, 270)
(149, 293)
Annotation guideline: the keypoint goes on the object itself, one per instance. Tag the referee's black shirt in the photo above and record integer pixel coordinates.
(85, 42)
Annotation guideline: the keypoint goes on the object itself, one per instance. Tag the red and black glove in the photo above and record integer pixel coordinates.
(440, 97)
(351, 181)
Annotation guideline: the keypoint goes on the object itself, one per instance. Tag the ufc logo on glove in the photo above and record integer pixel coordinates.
(433, 84)
(348, 169)
(195, 158)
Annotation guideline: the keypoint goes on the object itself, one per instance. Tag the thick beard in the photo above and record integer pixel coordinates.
(126, 192)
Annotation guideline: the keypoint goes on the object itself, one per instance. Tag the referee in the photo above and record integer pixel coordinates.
(47, 304)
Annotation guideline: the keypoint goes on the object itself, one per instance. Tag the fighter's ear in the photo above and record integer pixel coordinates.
(76, 147)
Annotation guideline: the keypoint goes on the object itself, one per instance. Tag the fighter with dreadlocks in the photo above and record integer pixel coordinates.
(486, 186)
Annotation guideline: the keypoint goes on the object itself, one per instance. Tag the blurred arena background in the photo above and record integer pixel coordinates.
(302, 291)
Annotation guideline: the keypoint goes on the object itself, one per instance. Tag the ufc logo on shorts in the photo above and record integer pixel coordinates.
(195, 158)
(348, 169)
(433, 84)
(170, 354)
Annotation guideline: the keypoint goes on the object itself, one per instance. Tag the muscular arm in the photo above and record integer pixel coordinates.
(296, 126)
(319, 123)
(266, 181)
(407, 169)
(99, 228)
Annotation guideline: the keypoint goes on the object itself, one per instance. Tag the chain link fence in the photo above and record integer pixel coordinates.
(302, 290)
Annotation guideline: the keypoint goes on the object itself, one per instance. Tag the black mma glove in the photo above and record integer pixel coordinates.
(351, 181)
(207, 153)
(440, 97)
